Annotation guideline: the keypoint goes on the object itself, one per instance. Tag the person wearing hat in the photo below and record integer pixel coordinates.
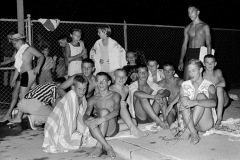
(25, 72)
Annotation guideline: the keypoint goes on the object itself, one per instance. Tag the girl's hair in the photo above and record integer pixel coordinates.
(76, 30)
(106, 29)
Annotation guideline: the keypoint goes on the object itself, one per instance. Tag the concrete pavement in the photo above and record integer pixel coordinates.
(26, 145)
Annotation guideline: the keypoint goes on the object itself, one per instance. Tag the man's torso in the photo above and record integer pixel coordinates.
(196, 35)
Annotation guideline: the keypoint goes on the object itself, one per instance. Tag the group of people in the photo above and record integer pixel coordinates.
(109, 91)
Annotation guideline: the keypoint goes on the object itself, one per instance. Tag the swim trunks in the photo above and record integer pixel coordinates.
(192, 53)
(25, 78)
(116, 131)
(147, 120)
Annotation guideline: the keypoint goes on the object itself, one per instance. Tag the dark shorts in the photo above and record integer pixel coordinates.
(192, 53)
(116, 131)
(23, 78)
(147, 120)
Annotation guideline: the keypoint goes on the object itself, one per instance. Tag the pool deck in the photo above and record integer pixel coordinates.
(26, 145)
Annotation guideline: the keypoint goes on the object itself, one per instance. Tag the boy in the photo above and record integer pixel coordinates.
(197, 102)
(155, 74)
(64, 128)
(119, 87)
(106, 103)
(216, 77)
(87, 70)
(172, 84)
(142, 91)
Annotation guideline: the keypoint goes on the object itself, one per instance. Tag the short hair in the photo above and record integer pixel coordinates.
(62, 36)
(168, 64)
(210, 56)
(80, 78)
(195, 5)
(60, 80)
(120, 70)
(142, 66)
(106, 29)
(76, 30)
(104, 74)
(152, 60)
(88, 60)
(196, 62)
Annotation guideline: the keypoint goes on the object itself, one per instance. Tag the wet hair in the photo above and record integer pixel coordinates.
(62, 36)
(142, 66)
(80, 78)
(106, 29)
(76, 30)
(88, 60)
(210, 56)
(168, 64)
(152, 60)
(120, 70)
(196, 62)
(104, 74)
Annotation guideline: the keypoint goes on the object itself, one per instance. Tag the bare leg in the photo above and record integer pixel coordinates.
(223, 100)
(99, 133)
(185, 73)
(134, 130)
(152, 111)
(13, 102)
(18, 118)
(171, 117)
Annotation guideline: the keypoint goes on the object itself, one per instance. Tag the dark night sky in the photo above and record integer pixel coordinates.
(217, 13)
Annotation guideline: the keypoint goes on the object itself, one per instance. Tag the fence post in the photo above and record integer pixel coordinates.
(125, 36)
(29, 29)
(20, 16)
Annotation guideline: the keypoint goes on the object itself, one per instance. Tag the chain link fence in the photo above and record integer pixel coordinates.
(162, 43)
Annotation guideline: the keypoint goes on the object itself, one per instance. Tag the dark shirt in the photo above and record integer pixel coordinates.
(130, 70)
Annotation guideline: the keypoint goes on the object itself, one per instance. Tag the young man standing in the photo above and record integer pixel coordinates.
(196, 35)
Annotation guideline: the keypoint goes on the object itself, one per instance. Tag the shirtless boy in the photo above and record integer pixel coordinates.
(87, 70)
(143, 91)
(216, 77)
(23, 63)
(106, 103)
(196, 34)
(197, 102)
(172, 84)
(120, 77)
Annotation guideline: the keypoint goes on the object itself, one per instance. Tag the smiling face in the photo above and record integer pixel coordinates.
(80, 88)
(87, 69)
(103, 82)
(209, 63)
(120, 78)
(168, 71)
(143, 74)
(131, 58)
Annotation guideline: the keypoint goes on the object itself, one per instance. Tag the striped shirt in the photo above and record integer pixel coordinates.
(46, 93)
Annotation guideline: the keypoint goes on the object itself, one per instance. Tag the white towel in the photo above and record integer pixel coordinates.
(203, 53)
(18, 57)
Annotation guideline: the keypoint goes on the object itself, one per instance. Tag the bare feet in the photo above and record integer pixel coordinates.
(194, 138)
(218, 123)
(97, 151)
(110, 152)
(15, 120)
(162, 124)
(137, 132)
